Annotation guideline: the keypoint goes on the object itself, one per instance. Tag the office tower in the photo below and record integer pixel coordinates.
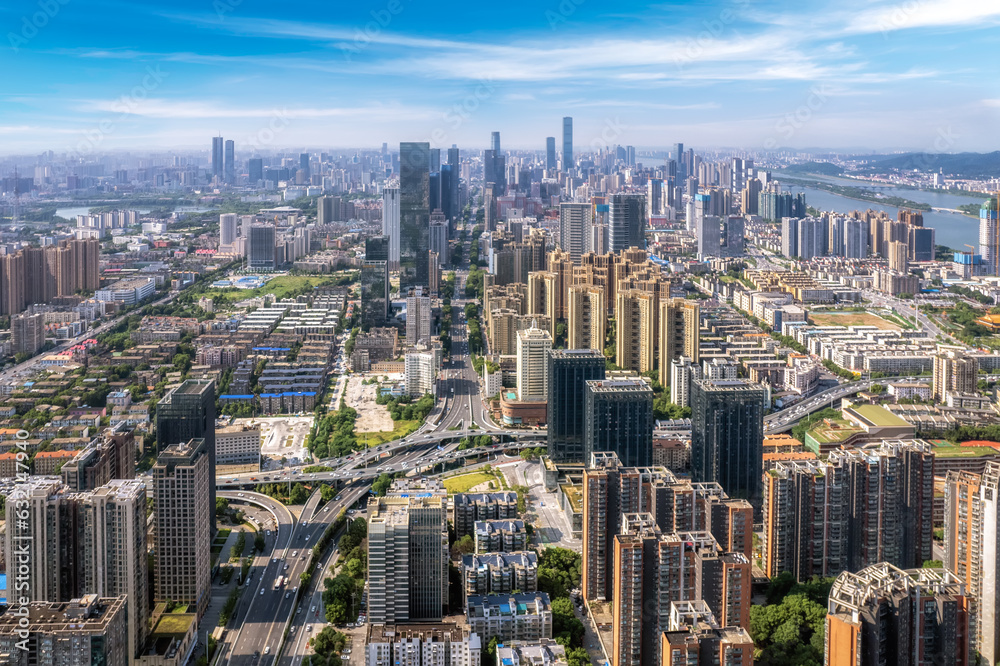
(635, 334)
(188, 412)
(414, 214)
(569, 370)
(627, 221)
(453, 181)
(495, 172)
(655, 200)
(683, 373)
(88, 630)
(855, 239)
(261, 247)
(407, 559)
(575, 220)
(708, 228)
(375, 283)
(972, 550)
(727, 436)
(489, 207)
(116, 562)
(885, 616)
(550, 153)
(495, 142)
(438, 236)
(434, 203)
(329, 210)
(567, 143)
(805, 519)
(27, 333)
(750, 197)
(230, 162)
(255, 170)
(921, 243)
(954, 372)
(889, 503)
(630, 156)
(227, 228)
(898, 255)
(680, 321)
(732, 236)
(588, 318)
(390, 223)
(218, 162)
(619, 418)
(418, 319)
(533, 347)
(184, 510)
(304, 164)
(679, 159)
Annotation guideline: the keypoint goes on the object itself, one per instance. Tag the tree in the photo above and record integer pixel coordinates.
(381, 484)
(299, 494)
(566, 627)
(329, 642)
(559, 571)
(464, 546)
(258, 542)
(221, 506)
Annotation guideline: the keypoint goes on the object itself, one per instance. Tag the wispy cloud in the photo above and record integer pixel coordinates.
(190, 109)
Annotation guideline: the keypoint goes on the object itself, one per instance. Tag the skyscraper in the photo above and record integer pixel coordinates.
(88, 630)
(567, 143)
(185, 413)
(575, 220)
(569, 370)
(680, 320)
(587, 317)
(627, 221)
(682, 173)
(218, 162)
(183, 507)
(255, 170)
(709, 232)
(550, 153)
(227, 228)
(261, 247)
(533, 347)
(390, 223)
(954, 372)
(414, 214)
(635, 334)
(304, 164)
(619, 418)
(727, 436)
(495, 142)
(230, 161)
(375, 283)
(418, 318)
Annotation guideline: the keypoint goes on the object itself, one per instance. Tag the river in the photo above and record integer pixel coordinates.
(71, 213)
(951, 229)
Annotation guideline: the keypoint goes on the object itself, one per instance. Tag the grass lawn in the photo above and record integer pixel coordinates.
(402, 429)
(284, 286)
(851, 319)
(462, 483)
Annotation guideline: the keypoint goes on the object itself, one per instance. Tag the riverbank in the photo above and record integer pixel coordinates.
(857, 193)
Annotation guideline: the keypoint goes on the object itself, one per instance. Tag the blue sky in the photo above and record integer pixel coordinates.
(850, 74)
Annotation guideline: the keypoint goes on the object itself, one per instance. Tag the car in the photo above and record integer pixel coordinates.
(312, 610)
(240, 495)
(267, 649)
(298, 610)
(309, 627)
(307, 537)
(261, 591)
(268, 532)
(295, 553)
(288, 594)
(286, 568)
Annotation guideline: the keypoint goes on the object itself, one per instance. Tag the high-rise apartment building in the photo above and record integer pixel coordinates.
(88, 630)
(255, 170)
(972, 550)
(188, 412)
(619, 419)
(27, 333)
(414, 214)
(569, 370)
(183, 512)
(680, 320)
(708, 229)
(438, 240)
(885, 616)
(227, 228)
(567, 143)
(627, 221)
(418, 318)
(727, 436)
(899, 256)
(587, 318)
(696, 639)
(261, 253)
(683, 374)
(407, 559)
(954, 372)
(635, 330)
(575, 220)
(533, 347)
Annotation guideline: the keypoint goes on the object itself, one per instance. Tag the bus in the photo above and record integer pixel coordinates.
(279, 582)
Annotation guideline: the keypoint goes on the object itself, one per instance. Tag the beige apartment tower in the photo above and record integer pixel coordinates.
(680, 320)
(954, 372)
(635, 334)
(533, 347)
(588, 321)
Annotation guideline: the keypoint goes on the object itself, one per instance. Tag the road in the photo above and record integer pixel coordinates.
(552, 527)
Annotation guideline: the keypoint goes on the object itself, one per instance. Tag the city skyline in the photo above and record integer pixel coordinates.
(117, 77)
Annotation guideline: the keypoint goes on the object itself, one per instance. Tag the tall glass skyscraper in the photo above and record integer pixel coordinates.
(217, 156)
(569, 370)
(414, 214)
(627, 221)
(188, 412)
(727, 436)
(567, 148)
(550, 152)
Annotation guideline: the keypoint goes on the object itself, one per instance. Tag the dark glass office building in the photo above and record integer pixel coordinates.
(550, 152)
(230, 161)
(627, 221)
(185, 413)
(375, 283)
(569, 370)
(619, 417)
(218, 149)
(727, 436)
(414, 214)
(567, 143)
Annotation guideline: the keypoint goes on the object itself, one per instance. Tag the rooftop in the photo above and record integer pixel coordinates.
(874, 415)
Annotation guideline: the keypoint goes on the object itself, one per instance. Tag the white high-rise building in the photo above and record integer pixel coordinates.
(418, 319)
(533, 347)
(421, 370)
(683, 373)
(227, 228)
(390, 223)
(855, 239)
(575, 221)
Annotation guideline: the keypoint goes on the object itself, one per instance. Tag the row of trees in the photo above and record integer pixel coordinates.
(334, 434)
(343, 592)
